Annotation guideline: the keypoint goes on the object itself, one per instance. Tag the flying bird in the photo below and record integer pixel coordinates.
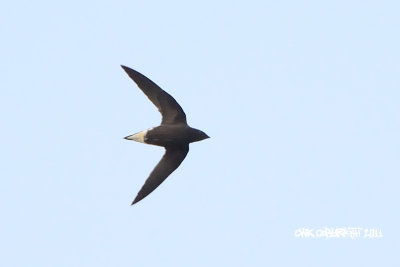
(174, 134)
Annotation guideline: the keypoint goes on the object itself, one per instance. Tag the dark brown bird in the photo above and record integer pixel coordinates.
(174, 134)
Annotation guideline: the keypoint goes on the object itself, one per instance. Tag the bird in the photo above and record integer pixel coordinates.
(174, 134)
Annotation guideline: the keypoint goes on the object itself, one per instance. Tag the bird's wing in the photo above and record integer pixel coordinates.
(170, 110)
(171, 160)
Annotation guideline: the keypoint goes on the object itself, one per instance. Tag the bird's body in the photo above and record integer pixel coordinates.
(174, 133)
(168, 135)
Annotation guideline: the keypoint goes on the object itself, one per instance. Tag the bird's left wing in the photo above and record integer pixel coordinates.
(170, 110)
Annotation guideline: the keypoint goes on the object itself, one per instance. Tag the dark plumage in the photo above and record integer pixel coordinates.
(174, 134)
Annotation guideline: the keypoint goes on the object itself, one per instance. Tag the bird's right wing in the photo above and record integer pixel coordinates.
(171, 160)
(170, 110)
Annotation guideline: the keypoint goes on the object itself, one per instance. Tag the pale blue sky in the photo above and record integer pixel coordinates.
(300, 98)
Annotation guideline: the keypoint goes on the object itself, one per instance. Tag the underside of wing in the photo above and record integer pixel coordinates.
(171, 160)
(170, 110)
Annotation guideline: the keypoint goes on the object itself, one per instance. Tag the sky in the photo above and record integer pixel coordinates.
(300, 99)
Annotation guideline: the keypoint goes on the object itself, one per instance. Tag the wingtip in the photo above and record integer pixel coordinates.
(136, 200)
(128, 70)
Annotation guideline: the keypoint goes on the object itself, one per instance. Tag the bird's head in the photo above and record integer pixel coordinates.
(199, 135)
